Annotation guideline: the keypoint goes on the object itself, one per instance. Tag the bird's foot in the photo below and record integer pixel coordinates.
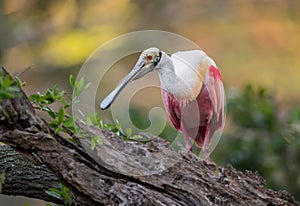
(207, 158)
(206, 152)
(189, 147)
(188, 144)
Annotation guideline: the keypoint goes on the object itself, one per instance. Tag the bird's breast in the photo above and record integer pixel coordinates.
(187, 78)
(178, 87)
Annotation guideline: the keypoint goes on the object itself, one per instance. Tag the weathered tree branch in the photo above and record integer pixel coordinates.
(120, 172)
(24, 178)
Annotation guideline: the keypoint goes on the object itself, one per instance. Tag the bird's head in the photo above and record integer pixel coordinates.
(151, 57)
(148, 61)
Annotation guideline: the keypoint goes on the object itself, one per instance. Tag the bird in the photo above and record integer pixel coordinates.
(192, 92)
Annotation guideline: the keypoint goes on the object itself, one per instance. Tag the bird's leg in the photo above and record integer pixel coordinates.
(186, 139)
(206, 151)
(206, 143)
(188, 143)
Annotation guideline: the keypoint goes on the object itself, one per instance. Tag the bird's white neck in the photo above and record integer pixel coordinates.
(172, 83)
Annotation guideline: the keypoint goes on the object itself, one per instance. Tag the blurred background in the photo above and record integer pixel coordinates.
(254, 43)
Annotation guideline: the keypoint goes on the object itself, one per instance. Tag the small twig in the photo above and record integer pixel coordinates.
(24, 70)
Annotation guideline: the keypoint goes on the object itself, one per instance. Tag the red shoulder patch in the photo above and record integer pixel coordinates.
(214, 72)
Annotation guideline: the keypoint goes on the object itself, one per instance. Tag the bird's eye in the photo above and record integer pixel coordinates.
(157, 59)
(149, 57)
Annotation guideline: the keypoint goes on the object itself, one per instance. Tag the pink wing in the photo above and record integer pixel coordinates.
(196, 117)
(192, 118)
(199, 119)
(211, 106)
(216, 91)
(172, 108)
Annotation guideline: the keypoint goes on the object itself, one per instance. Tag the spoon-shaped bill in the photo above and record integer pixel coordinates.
(108, 100)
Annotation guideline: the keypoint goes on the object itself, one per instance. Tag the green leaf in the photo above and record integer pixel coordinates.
(76, 101)
(69, 123)
(49, 94)
(60, 115)
(96, 139)
(5, 95)
(87, 86)
(93, 144)
(128, 132)
(35, 97)
(7, 87)
(80, 83)
(78, 87)
(72, 80)
(138, 138)
(101, 124)
(57, 130)
(118, 126)
(18, 81)
(7, 81)
(52, 114)
(90, 119)
(62, 194)
(54, 194)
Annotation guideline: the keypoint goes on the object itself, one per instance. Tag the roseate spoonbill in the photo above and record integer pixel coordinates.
(192, 92)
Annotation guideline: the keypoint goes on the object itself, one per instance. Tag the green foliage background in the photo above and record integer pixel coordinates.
(263, 139)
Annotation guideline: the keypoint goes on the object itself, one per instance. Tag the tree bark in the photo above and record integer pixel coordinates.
(23, 178)
(120, 172)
